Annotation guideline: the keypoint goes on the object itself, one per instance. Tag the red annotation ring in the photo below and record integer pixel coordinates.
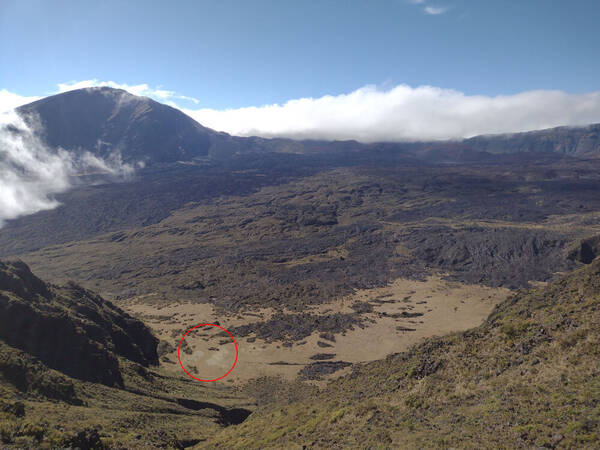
(207, 325)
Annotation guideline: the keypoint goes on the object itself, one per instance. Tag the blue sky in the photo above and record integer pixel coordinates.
(241, 54)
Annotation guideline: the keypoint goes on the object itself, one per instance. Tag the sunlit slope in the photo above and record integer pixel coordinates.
(528, 377)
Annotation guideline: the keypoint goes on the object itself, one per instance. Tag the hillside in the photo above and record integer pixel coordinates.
(106, 120)
(337, 266)
(76, 371)
(70, 329)
(528, 377)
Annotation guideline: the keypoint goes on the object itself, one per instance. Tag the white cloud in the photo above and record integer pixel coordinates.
(371, 114)
(430, 9)
(10, 100)
(31, 174)
(404, 113)
(435, 10)
(136, 89)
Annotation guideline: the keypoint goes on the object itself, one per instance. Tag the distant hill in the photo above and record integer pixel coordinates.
(103, 120)
(573, 141)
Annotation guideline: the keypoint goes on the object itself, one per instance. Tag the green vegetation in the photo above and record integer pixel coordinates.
(76, 371)
(528, 377)
(148, 413)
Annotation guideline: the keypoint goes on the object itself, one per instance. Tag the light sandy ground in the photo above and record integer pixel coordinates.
(446, 307)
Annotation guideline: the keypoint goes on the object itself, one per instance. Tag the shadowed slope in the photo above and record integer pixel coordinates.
(69, 328)
(104, 120)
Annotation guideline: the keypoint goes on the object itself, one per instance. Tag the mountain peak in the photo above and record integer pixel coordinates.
(105, 120)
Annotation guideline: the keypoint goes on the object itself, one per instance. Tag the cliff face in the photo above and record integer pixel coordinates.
(573, 141)
(69, 328)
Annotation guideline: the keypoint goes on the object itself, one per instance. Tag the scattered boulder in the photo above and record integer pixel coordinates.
(327, 336)
(584, 250)
(88, 439)
(322, 356)
(164, 348)
(323, 344)
(317, 370)
(17, 409)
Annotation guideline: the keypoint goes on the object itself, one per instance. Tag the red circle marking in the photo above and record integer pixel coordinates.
(207, 325)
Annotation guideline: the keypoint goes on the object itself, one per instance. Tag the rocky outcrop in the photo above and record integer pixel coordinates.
(585, 250)
(491, 256)
(69, 328)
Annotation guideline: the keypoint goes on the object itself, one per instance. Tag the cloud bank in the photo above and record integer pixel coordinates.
(371, 114)
(404, 113)
(31, 174)
(143, 89)
(10, 100)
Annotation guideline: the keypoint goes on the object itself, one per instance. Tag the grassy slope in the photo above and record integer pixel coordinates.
(146, 414)
(528, 377)
(45, 408)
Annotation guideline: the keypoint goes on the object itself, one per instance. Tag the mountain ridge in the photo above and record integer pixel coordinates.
(105, 120)
(571, 140)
